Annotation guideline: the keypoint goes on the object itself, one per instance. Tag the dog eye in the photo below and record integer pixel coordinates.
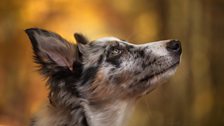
(115, 52)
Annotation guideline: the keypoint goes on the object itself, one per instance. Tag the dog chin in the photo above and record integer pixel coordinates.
(161, 78)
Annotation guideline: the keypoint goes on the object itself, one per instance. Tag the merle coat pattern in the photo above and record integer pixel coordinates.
(96, 83)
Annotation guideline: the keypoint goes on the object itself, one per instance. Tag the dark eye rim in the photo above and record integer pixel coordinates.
(114, 46)
(115, 52)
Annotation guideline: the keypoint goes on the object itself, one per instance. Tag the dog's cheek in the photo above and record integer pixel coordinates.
(115, 61)
(119, 79)
(116, 80)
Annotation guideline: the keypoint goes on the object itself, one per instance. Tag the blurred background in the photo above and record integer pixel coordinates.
(193, 97)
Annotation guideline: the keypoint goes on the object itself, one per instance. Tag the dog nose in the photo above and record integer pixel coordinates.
(174, 46)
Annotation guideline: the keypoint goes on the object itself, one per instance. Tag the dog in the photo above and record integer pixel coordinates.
(97, 83)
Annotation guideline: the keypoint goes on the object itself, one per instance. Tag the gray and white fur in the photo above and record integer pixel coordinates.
(97, 83)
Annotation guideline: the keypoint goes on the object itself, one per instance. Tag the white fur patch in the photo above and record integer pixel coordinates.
(107, 39)
(158, 48)
(111, 115)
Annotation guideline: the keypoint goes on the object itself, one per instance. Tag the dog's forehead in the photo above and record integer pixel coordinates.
(107, 39)
(110, 40)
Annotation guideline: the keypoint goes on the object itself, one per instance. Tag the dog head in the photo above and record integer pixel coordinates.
(103, 69)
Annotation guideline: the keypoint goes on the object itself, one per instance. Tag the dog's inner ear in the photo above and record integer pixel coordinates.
(50, 48)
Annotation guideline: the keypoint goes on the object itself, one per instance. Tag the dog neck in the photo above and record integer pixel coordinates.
(112, 114)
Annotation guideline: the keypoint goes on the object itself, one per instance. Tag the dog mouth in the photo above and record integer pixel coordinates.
(171, 67)
(161, 72)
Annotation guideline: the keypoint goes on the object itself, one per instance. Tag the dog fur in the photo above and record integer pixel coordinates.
(96, 83)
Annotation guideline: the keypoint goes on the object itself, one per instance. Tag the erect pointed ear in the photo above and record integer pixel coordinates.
(81, 39)
(82, 42)
(51, 50)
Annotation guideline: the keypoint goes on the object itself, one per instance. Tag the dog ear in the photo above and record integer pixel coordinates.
(82, 42)
(51, 50)
(81, 39)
